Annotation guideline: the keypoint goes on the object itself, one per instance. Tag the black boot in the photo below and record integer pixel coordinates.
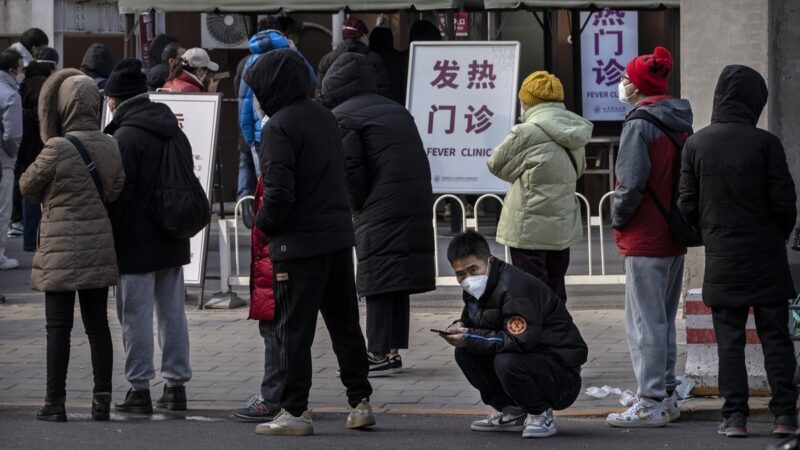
(136, 402)
(52, 412)
(173, 399)
(101, 406)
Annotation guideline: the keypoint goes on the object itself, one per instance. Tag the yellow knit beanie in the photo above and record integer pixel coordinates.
(541, 87)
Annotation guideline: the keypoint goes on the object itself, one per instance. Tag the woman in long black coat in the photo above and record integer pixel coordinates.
(736, 185)
(389, 183)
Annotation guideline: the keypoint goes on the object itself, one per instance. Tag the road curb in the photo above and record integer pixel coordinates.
(699, 409)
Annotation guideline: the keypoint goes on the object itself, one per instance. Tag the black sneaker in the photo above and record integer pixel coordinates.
(173, 398)
(396, 363)
(784, 426)
(379, 367)
(257, 410)
(52, 412)
(734, 426)
(136, 402)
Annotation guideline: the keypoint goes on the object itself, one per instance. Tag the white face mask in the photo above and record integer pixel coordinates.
(20, 77)
(476, 284)
(621, 95)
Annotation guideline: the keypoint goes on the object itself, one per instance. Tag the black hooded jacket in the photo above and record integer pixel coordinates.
(519, 314)
(35, 75)
(736, 185)
(305, 211)
(98, 62)
(141, 128)
(382, 79)
(388, 179)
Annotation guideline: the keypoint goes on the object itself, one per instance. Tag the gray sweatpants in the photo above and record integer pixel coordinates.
(137, 296)
(652, 294)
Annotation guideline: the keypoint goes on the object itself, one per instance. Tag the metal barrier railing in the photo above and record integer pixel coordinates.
(227, 281)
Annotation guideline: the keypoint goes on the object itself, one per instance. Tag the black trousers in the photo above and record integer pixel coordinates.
(304, 287)
(550, 266)
(59, 311)
(387, 321)
(772, 324)
(530, 381)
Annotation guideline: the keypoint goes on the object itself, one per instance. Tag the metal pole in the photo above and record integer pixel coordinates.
(575, 32)
(337, 21)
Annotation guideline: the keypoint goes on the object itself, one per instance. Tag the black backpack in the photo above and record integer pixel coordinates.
(681, 230)
(179, 203)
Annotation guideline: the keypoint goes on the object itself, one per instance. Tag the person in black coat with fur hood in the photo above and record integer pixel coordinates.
(389, 184)
(736, 186)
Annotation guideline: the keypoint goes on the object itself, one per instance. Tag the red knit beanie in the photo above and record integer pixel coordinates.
(649, 73)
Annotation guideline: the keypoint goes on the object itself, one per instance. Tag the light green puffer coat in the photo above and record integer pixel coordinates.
(541, 211)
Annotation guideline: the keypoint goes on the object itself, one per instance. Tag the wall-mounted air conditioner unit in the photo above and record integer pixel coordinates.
(223, 31)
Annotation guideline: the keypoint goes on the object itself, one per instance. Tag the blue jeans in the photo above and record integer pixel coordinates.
(247, 176)
(31, 215)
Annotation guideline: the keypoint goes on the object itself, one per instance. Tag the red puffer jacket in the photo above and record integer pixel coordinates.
(647, 158)
(185, 82)
(262, 297)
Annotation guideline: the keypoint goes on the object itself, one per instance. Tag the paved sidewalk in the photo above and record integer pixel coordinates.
(227, 359)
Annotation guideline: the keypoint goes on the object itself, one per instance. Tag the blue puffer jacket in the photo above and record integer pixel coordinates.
(249, 120)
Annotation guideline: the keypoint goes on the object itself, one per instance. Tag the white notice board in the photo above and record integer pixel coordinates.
(463, 96)
(198, 116)
(609, 41)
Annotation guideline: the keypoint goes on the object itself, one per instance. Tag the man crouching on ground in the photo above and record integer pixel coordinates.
(515, 342)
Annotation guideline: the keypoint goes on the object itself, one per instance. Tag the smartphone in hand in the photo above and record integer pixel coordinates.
(441, 332)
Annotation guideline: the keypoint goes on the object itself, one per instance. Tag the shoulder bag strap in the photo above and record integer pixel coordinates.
(674, 137)
(90, 165)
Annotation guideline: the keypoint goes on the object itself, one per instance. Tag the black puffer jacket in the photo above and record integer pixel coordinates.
(736, 185)
(382, 79)
(141, 128)
(520, 314)
(389, 181)
(98, 62)
(305, 211)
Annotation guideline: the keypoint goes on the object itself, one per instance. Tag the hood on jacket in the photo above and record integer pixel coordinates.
(352, 73)
(98, 61)
(69, 101)
(278, 79)
(740, 96)
(267, 40)
(675, 113)
(564, 127)
(140, 112)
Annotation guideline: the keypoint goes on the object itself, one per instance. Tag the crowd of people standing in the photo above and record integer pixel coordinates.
(335, 162)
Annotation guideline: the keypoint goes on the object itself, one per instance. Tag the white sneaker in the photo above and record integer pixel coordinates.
(671, 405)
(645, 413)
(15, 229)
(285, 424)
(361, 416)
(539, 425)
(8, 263)
(509, 419)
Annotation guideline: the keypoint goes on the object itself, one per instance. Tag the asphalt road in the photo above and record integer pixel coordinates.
(218, 429)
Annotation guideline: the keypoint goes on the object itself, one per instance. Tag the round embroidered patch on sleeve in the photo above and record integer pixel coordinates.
(516, 325)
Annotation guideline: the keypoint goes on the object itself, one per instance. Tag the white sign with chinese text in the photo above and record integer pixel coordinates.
(609, 41)
(463, 96)
(198, 116)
